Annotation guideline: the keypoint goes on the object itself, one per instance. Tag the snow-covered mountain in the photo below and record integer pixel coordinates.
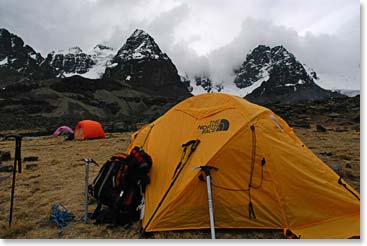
(18, 60)
(102, 55)
(74, 61)
(141, 63)
(266, 75)
(200, 84)
(140, 45)
(270, 75)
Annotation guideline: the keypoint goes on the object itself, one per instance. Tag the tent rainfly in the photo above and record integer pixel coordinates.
(88, 129)
(266, 179)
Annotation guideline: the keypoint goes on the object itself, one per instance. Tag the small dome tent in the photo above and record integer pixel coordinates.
(266, 178)
(63, 130)
(88, 129)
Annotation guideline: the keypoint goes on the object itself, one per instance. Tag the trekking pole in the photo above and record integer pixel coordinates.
(87, 161)
(206, 169)
(17, 160)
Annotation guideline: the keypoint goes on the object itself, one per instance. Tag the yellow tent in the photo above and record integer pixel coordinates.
(266, 178)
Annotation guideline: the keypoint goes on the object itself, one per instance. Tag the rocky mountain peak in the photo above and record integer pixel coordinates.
(274, 74)
(140, 45)
(18, 60)
(74, 61)
(141, 63)
(102, 47)
(70, 61)
(75, 50)
(261, 62)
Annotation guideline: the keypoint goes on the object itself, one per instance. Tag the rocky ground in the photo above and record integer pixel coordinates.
(329, 129)
(42, 106)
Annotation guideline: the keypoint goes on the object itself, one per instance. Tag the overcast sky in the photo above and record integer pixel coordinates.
(201, 36)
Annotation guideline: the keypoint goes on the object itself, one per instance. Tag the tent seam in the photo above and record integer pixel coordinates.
(158, 208)
(323, 221)
(277, 194)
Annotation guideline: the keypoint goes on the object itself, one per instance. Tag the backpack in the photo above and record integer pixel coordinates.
(120, 186)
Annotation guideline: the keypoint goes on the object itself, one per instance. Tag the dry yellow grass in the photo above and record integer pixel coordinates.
(58, 178)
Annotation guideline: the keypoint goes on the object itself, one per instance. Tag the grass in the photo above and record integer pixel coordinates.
(58, 178)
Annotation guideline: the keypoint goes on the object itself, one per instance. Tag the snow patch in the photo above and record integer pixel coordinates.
(340, 81)
(349, 93)
(242, 92)
(137, 55)
(101, 55)
(197, 89)
(73, 50)
(113, 65)
(95, 72)
(4, 61)
(140, 46)
(70, 74)
(33, 56)
(230, 87)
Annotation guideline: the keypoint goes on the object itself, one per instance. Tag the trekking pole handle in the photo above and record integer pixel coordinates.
(18, 144)
(90, 160)
(206, 169)
(16, 136)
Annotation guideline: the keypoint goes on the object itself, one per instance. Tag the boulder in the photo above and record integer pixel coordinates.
(348, 165)
(5, 156)
(6, 169)
(30, 166)
(30, 158)
(334, 115)
(320, 128)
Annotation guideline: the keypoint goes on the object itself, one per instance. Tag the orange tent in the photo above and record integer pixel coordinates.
(88, 129)
(266, 179)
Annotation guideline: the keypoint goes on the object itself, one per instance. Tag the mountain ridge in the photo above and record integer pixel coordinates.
(142, 64)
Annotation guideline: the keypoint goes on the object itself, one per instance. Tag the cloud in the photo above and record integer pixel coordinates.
(201, 37)
(163, 28)
(53, 25)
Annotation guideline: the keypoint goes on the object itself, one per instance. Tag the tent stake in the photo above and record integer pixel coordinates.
(206, 169)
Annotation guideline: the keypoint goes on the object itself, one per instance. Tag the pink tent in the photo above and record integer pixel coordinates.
(62, 130)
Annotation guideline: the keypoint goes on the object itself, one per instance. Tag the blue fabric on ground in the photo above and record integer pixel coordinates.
(60, 216)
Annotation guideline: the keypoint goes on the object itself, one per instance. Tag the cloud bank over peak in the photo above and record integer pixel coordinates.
(207, 37)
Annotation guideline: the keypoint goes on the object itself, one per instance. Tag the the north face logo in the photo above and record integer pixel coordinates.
(214, 126)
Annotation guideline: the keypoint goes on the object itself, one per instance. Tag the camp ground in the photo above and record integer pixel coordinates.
(264, 181)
